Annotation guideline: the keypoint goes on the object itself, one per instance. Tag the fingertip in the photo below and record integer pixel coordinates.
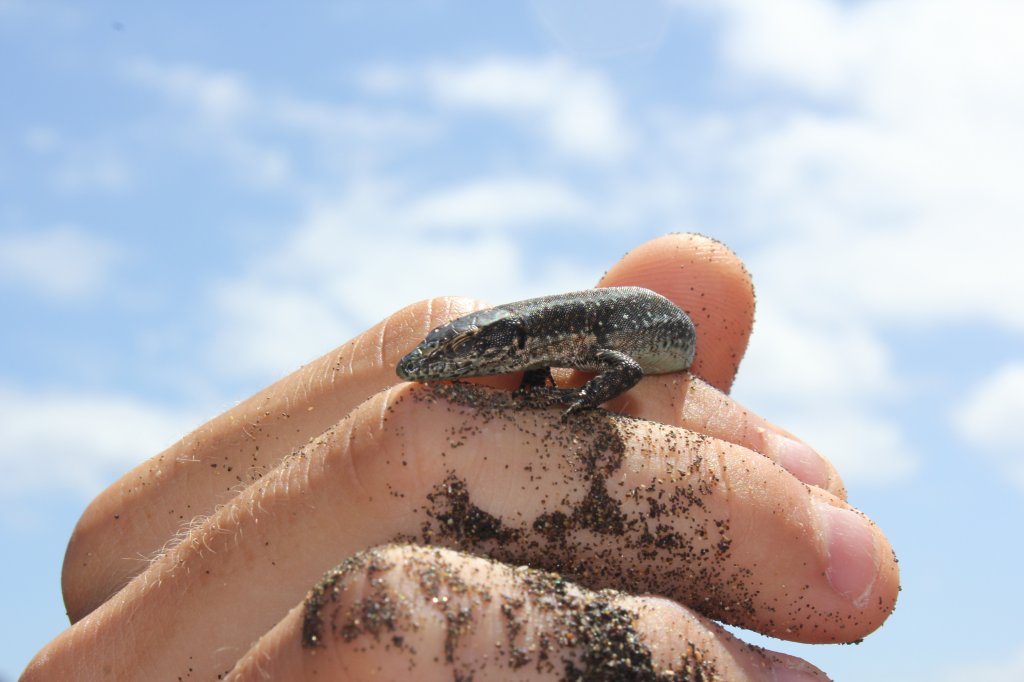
(859, 566)
(666, 624)
(707, 280)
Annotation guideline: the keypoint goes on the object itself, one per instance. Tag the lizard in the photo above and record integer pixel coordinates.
(619, 333)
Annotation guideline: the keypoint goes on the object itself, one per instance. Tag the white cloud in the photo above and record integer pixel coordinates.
(61, 262)
(78, 441)
(802, 42)
(499, 202)
(898, 180)
(990, 419)
(578, 110)
(893, 58)
(919, 275)
(575, 110)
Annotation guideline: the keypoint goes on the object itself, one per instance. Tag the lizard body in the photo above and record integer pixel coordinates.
(619, 333)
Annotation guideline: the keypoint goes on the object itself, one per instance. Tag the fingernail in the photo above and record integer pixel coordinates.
(849, 543)
(797, 458)
(784, 671)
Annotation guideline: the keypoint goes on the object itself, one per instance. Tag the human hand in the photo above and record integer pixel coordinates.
(688, 504)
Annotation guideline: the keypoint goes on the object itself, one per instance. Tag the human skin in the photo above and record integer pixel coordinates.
(707, 508)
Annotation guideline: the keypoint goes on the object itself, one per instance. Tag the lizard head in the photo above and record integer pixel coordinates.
(474, 345)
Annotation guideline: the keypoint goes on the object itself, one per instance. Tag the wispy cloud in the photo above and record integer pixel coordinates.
(62, 263)
(576, 110)
(42, 139)
(78, 442)
(579, 111)
(989, 418)
(500, 202)
(79, 165)
(216, 95)
(103, 171)
(361, 256)
(605, 28)
(58, 16)
(269, 137)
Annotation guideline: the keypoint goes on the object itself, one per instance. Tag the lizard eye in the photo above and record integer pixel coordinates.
(462, 338)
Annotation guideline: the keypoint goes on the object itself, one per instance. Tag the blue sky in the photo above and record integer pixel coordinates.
(196, 198)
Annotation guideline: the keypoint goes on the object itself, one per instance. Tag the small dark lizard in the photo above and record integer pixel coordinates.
(619, 333)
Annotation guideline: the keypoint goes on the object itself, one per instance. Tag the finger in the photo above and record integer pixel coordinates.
(707, 280)
(610, 502)
(402, 612)
(132, 520)
(668, 508)
(686, 401)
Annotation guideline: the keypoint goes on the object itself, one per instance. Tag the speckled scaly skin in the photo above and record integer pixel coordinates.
(619, 333)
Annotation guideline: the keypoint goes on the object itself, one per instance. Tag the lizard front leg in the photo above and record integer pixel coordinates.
(619, 373)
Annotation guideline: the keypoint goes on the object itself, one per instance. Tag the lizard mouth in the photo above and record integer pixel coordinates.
(419, 367)
(409, 367)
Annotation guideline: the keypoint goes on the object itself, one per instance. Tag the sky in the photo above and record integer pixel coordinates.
(197, 198)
